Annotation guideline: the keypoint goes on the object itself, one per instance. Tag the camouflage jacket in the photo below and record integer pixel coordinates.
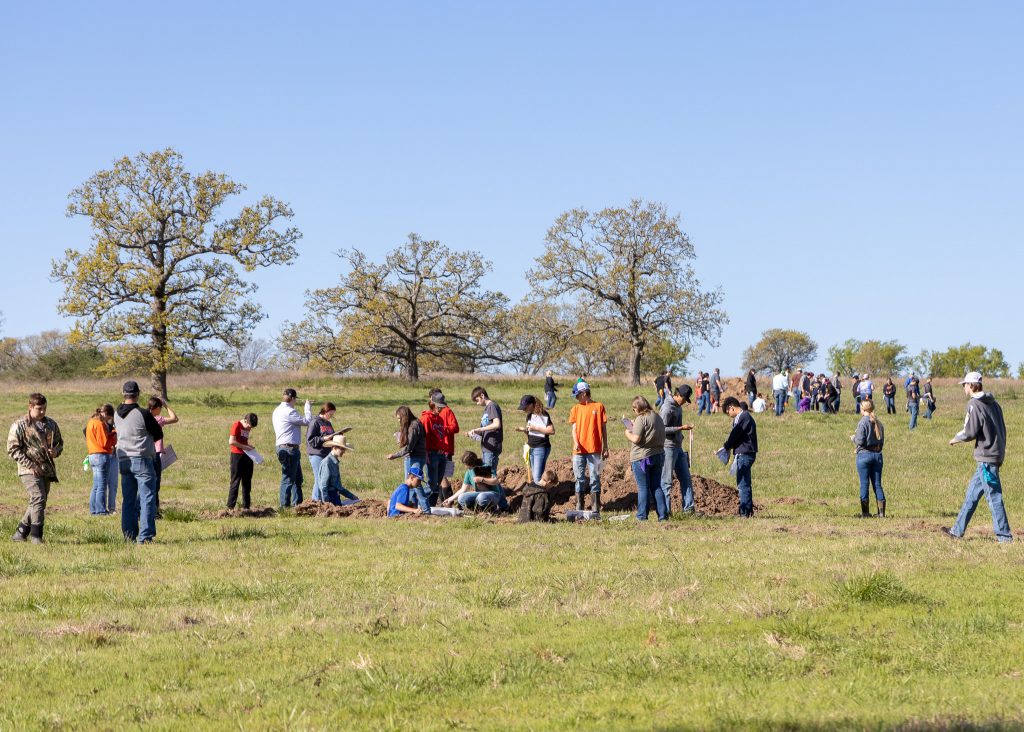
(28, 446)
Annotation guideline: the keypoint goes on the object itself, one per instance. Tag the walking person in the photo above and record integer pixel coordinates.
(156, 407)
(716, 390)
(913, 401)
(491, 430)
(677, 460)
(742, 441)
(241, 463)
(137, 433)
(647, 458)
(34, 442)
(538, 431)
(550, 388)
(412, 446)
(984, 424)
(100, 440)
(329, 479)
(659, 387)
(929, 397)
(589, 422)
(869, 440)
(889, 394)
(779, 386)
(319, 431)
(288, 424)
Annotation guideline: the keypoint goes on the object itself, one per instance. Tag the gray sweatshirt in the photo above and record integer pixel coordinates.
(864, 438)
(136, 431)
(984, 424)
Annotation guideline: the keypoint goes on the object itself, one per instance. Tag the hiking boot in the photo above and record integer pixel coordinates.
(21, 533)
(881, 509)
(579, 501)
(35, 534)
(865, 509)
(595, 504)
(949, 532)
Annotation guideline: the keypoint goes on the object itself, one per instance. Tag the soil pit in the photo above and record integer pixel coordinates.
(263, 512)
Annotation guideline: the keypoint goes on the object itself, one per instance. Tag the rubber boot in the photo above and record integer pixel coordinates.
(579, 501)
(21, 533)
(865, 509)
(35, 534)
(595, 504)
(881, 509)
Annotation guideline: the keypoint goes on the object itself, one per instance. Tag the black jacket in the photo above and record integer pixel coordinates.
(743, 438)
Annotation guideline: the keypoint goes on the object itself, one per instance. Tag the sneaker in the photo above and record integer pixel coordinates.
(949, 532)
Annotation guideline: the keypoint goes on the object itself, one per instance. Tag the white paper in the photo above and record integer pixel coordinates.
(168, 457)
(256, 458)
(723, 455)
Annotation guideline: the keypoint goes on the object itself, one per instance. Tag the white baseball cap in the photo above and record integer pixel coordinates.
(972, 377)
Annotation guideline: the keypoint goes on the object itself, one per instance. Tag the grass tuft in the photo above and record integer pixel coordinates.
(15, 565)
(878, 588)
(180, 515)
(233, 533)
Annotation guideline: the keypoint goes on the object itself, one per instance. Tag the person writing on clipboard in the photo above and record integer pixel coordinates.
(742, 441)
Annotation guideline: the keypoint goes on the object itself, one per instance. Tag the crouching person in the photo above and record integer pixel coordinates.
(34, 441)
(408, 493)
(480, 489)
(536, 504)
(329, 473)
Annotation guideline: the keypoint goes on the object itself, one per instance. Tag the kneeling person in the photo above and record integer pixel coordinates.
(404, 496)
(536, 504)
(329, 473)
(480, 488)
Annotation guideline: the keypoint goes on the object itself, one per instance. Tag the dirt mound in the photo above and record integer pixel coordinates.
(264, 512)
(618, 488)
(366, 508)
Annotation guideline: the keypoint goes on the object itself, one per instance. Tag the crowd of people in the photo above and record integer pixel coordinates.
(126, 445)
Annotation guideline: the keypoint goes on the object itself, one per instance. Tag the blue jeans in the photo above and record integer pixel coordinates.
(985, 481)
(291, 476)
(538, 461)
(751, 396)
(647, 473)
(743, 483)
(677, 462)
(138, 498)
(490, 459)
(780, 400)
(436, 462)
(552, 398)
(913, 408)
(579, 468)
(869, 468)
(704, 404)
(335, 496)
(890, 405)
(103, 498)
(931, 410)
(314, 463)
(480, 500)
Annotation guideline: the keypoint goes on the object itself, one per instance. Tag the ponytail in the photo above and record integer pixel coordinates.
(868, 408)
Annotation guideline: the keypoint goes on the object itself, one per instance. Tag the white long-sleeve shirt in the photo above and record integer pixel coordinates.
(288, 423)
(779, 382)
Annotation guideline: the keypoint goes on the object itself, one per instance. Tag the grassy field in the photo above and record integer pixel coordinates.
(805, 617)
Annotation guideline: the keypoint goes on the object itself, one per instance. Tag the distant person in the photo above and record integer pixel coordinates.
(241, 463)
(704, 395)
(412, 447)
(839, 390)
(759, 405)
(913, 401)
(779, 386)
(403, 497)
(550, 388)
(984, 424)
(929, 397)
(100, 440)
(288, 424)
(451, 428)
(677, 460)
(589, 422)
(889, 394)
(480, 489)
(751, 386)
(855, 393)
(536, 503)
(804, 405)
(137, 434)
(491, 430)
(869, 440)
(647, 458)
(329, 479)
(34, 442)
(742, 441)
(321, 429)
(538, 431)
(659, 387)
(910, 377)
(716, 390)
(156, 407)
(865, 388)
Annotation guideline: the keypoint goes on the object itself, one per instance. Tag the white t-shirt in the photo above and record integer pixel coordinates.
(759, 405)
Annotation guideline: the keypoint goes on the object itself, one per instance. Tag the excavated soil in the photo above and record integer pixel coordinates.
(264, 512)
(366, 508)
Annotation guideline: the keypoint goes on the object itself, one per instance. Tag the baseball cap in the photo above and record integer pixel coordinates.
(581, 386)
(416, 471)
(526, 402)
(685, 391)
(972, 377)
(438, 399)
(130, 387)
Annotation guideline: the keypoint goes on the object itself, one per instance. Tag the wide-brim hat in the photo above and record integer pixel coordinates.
(338, 441)
(685, 392)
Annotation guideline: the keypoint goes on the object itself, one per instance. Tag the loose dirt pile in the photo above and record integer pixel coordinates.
(618, 488)
(366, 508)
(264, 512)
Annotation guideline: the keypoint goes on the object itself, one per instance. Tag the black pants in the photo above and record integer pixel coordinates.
(241, 472)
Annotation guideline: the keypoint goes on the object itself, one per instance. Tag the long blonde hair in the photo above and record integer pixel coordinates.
(868, 407)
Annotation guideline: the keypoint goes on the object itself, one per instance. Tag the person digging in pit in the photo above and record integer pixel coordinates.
(536, 504)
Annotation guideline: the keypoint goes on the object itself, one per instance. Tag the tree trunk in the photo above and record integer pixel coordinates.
(158, 382)
(159, 360)
(635, 354)
(413, 367)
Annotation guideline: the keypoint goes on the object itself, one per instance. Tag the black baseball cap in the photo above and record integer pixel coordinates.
(130, 388)
(526, 402)
(685, 391)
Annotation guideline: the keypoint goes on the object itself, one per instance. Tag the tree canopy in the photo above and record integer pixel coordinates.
(958, 360)
(780, 350)
(870, 357)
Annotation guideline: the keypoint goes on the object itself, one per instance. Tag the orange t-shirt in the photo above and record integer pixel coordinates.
(99, 438)
(588, 418)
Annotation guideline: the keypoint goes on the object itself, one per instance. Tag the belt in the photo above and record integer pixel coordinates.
(288, 444)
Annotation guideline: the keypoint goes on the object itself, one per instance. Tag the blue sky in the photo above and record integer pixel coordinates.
(853, 170)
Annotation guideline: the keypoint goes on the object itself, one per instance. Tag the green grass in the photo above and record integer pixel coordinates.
(805, 617)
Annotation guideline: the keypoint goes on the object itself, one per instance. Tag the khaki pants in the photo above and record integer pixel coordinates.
(38, 490)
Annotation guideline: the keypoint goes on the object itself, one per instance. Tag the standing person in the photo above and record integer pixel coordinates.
(929, 397)
(865, 389)
(984, 424)
(288, 425)
(704, 401)
(589, 444)
(100, 440)
(451, 428)
(491, 431)
(156, 407)
(241, 464)
(647, 457)
(538, 431)
(550, 388)
(320, 430)
(34, 442)
(751, 386)
(677, 460)
(412, 445)
(742, 441)
(716, 390)
(659, 387)
(856, 394)
(137, 433)
(330, 472)
(779, 386)
(913, 401)
(839, 390)
(830, 401)
(437, 458)
(889, 394)
(869, 439)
